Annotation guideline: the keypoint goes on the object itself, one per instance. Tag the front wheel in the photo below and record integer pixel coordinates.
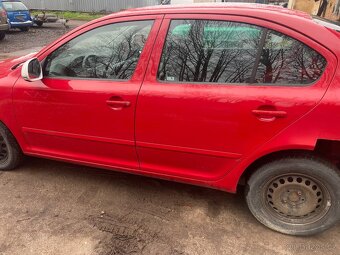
(2, 35)
(296, 196)
(10, 152)
(24, 29)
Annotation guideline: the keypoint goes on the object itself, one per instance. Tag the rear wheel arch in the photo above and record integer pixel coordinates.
(272, 156)
(324, 149)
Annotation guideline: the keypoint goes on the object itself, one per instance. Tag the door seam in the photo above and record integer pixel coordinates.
(140, 88)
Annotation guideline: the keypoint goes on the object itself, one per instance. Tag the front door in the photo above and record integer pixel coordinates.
(84, 108)
(224, 86)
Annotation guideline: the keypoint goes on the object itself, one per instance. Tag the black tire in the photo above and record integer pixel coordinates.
(24, 29)
(295, 195)
(39, 23)
(10, 152)
(2, 35)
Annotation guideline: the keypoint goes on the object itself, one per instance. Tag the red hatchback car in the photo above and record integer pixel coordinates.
(212, 95)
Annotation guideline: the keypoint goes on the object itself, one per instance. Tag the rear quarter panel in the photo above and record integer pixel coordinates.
(322, 122)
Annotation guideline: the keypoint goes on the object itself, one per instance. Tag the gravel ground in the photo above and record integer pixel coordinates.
(52, 208)
(37, 37)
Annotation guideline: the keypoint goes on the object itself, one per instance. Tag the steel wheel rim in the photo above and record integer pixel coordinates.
(296, 199)
(3, 149)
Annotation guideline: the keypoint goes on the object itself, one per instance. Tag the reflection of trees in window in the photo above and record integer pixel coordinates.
(209, 51)
(309, 63)
(273, 59)
(285, 60)
(119, 56)
(230, 52)
(108, 52)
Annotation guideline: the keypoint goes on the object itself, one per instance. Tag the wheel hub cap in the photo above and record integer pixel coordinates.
(295, 197)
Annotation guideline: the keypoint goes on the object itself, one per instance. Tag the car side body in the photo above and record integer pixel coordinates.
(200, 133)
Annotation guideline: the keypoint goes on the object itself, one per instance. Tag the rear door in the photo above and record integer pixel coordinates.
(218, 87)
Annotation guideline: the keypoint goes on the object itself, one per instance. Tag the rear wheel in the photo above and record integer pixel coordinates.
(296, 196)
(2, 35)
(10, 152)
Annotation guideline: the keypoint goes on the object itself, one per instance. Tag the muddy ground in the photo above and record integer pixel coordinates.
(56, 208)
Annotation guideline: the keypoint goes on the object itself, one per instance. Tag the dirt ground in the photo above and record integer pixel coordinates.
(56, 208)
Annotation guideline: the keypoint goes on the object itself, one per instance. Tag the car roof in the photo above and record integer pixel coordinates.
(219, 7)
(275, 8)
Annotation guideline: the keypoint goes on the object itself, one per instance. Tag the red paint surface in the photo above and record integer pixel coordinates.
(204, 135)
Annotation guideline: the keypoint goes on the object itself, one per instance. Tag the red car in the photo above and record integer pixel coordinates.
(211, 95)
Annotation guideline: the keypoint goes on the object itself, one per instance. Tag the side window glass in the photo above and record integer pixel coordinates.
(209, 51)
(108, 52)
(285, 60)
(230, 52)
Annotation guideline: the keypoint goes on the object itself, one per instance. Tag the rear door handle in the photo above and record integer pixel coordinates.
(269, 115)
(117, 103)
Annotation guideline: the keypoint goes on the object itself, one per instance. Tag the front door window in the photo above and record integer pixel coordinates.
(108, 52)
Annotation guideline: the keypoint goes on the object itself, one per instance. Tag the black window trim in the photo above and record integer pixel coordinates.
(265, 31)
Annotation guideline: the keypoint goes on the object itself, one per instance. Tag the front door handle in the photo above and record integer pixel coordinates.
(117, 103)
(269, 115)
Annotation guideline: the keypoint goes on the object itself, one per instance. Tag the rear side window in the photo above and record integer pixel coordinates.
(108, 52)
(229, 52)
(285, 60)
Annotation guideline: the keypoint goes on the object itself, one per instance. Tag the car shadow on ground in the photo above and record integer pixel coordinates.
(216, 199)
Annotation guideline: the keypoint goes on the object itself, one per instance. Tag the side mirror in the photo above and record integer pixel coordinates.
(31, 70)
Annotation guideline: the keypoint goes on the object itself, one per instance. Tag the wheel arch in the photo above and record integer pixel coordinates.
(325, 149)
(2, 122)
(264, 159)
